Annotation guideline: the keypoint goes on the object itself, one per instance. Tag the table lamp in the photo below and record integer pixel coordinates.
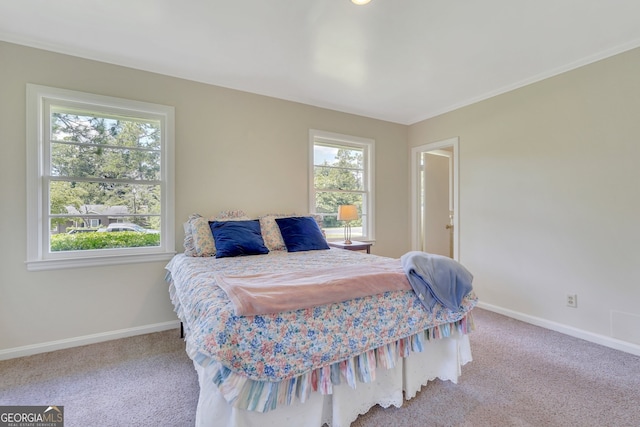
(347, 213)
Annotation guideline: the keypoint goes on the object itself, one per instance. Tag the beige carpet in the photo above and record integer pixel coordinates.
(521, 375)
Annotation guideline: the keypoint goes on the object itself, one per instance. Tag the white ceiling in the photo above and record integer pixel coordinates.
(396, 60)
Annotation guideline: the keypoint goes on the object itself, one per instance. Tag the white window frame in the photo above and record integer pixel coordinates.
(367, 145)
(39, 257)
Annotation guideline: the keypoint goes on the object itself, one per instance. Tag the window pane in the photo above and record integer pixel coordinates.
(103, 199)
(87, 128)
(336, 231)
(74, 234)
(336, 156)
(331, 178)
(91, 161)
(327, 202)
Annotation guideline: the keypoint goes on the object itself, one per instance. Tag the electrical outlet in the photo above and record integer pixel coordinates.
(572, 300)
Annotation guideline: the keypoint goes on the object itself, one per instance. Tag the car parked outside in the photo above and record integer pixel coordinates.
(82, 230)
(122, 226)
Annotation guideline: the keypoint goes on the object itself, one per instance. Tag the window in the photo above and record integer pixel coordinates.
(341, 173)
(93, 161)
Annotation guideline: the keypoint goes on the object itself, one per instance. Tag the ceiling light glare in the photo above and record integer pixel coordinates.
(360, 2)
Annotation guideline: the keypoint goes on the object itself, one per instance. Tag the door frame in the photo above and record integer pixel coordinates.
(415, 193)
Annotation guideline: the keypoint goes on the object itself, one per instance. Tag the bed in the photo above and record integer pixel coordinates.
(316, 365)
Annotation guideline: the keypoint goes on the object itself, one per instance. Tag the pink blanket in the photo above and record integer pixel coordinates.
(277, 292)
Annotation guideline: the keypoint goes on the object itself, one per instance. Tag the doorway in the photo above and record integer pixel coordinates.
(434, 198)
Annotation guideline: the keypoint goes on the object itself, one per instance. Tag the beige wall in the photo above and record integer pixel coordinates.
(234, 150)
(549, 198)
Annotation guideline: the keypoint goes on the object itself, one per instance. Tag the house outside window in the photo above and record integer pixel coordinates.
(91, 161)
(342, 173)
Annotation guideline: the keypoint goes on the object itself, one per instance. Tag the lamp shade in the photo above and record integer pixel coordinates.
(347, 212)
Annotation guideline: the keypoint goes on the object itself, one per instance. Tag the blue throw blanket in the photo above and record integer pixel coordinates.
(437, 279)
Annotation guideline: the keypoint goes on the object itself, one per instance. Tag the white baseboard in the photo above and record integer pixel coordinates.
(606, 341)
(29, 350)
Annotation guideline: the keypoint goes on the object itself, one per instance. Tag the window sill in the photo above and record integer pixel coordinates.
(58, 264)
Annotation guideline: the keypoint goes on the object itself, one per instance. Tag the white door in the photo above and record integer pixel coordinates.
(437, 210)
(435, 198)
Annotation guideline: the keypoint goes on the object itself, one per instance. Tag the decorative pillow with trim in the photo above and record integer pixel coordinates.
(189, 246)
(234, 215)
(199, 240)
(271, 232)
(202, 237)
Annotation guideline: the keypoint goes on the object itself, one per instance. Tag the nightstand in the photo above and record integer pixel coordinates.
(354, 246)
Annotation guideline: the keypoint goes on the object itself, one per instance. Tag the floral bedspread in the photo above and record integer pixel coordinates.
(281, 346)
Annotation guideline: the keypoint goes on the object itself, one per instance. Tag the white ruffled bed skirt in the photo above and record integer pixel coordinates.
(442, 358)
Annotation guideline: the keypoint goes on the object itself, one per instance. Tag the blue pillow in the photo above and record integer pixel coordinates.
(234, 238)
(301, 234)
